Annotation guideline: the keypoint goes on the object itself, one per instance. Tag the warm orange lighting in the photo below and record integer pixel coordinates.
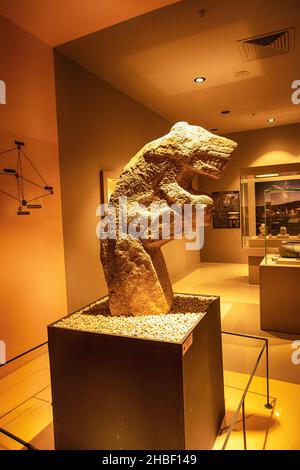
(271, 120)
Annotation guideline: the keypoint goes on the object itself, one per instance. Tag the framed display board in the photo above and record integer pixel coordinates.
(226, 213)
(108, 181)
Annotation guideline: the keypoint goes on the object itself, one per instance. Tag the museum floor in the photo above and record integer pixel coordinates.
(25, 397)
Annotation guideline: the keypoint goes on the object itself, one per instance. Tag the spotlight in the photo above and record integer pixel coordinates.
(199, 79)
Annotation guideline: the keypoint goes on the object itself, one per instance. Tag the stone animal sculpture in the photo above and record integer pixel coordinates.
(161, 172)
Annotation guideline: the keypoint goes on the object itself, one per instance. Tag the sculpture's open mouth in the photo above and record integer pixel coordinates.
(213, 161)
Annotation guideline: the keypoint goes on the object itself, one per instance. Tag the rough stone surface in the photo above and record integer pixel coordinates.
(186, 311)
(161, 172)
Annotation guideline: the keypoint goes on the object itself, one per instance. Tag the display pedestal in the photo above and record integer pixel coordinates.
(253, 268)
(117, 392)
(255, 256)
(279, 297)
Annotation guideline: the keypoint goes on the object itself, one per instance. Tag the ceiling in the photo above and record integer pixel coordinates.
(58, 21)
(153, 49)
(154, 58)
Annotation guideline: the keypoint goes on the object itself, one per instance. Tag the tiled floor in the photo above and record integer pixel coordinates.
(265, 429)
(25, 405)
(25, 395)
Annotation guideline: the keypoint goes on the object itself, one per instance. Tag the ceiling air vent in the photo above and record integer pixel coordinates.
(268, 45)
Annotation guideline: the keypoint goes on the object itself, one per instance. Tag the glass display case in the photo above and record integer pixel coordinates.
(259, 230)
(281, 226)
(255, 182)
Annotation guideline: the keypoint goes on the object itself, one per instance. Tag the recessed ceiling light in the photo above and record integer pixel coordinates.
(226, 111)
(199, 79)
(271, 120)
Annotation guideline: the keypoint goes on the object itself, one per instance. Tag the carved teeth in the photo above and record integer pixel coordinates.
(216, 164)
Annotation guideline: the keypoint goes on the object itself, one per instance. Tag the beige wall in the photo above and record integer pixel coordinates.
(32, 278)
(280, 144)
(100, 128)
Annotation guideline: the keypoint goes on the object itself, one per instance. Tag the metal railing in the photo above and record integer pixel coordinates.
(241, 405)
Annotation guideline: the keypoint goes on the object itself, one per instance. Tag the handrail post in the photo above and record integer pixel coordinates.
(244, 424)
(268, 404)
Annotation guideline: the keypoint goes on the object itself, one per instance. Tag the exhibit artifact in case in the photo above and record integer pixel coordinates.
(282, 222)
(255, 183)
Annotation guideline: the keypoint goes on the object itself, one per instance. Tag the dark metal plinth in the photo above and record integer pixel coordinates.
(113, 392)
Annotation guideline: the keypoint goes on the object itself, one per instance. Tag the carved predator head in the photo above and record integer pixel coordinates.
(195, 148)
